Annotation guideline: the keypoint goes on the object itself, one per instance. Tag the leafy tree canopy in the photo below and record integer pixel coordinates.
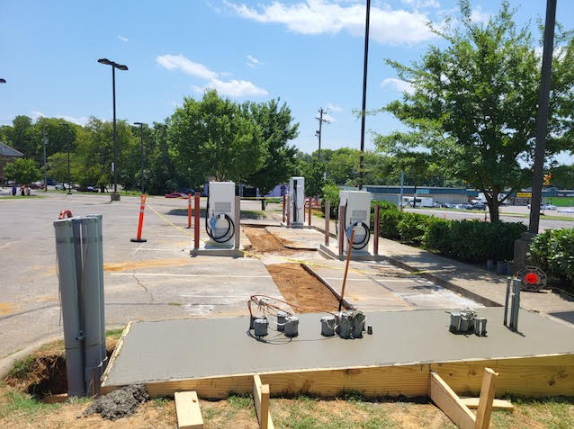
(23, 171)
(474, 102)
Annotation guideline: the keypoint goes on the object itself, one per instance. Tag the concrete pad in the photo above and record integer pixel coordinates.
(293, 238)
(189, 349)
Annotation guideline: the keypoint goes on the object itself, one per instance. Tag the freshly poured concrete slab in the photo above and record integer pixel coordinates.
(200, 348)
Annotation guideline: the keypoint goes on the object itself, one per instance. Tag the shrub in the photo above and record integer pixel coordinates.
(331, 193)
(473, 240)
(412, 227)
(553, 251)
(384, 205)
(388, 224)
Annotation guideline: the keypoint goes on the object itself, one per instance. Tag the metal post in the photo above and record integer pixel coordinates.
(402, 186)
(377, 223)
(115, 136)
(364, 104)
(288, 209)
(507, 297)
(196, 223)
(237, 222)
(70, 307)
(91, 304)
(283, 217)
(69, 175)
(341, 230)
(142, 145)
(45, 164)
(327, 221)
(542, 121)
(310, 209)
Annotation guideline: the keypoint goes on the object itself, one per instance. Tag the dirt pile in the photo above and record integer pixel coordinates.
(119, 403)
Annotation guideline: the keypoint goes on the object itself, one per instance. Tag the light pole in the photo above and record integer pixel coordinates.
(2, 80)
(68, 144)
(364, 104)
(142, 147)
(115, 194)
(542, 121)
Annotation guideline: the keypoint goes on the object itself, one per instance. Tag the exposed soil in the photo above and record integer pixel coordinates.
(300, 288)
(153, 263)
(262, 241)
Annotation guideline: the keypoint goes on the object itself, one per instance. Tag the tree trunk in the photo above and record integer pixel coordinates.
(493, 207)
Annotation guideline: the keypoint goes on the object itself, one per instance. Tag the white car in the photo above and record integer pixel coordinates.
(545, 207)
(60, 187)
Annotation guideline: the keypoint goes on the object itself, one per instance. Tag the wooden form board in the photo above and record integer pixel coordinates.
(484, 410)
(188, 411)
(497, 404)
(531, 376)
(261, 400)
(449, 402)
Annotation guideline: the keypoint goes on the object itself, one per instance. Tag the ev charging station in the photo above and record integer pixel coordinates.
(219, 218)
(296, 201)
(357, 215)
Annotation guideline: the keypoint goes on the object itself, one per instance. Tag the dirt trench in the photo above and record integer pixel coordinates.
(298, 287)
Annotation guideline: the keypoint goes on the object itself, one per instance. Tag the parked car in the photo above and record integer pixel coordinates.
(181, 193)
(37, 185)
(544, 206)
(87, 189)
(60, 187)
(476, 206)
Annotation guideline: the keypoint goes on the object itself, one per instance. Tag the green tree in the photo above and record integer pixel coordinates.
(314, 174)
(23, 171)
(562, 176)
(474, 102)
(277, 129)
(215, 137)
(58, 167)
(20, 136)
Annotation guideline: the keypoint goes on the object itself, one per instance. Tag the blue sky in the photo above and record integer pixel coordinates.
(307, 52)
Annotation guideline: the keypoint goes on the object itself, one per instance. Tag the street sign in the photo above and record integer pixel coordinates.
(524, 195)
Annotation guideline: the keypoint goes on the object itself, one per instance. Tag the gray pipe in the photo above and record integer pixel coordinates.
(70, 309)
(100, 244)
(91, 305)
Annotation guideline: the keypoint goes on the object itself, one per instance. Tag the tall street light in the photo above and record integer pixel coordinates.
(68, 144)
(364, 104)
(2, 80)
(142, 147)
(542, 121)
(115, 194)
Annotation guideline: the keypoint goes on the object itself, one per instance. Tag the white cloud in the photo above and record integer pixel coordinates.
(334, 107)
(123, 38)
(422, 3)
(398, 84)
(82, 120)
(253, 62)
(313, 17)
(185, 65)
(477, 15)
(329, 117)
(231, 88)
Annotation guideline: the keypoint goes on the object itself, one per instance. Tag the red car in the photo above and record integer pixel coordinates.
(176, 195)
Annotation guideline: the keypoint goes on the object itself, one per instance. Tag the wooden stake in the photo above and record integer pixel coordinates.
(261, 400)
(347, 269)
(486, 398)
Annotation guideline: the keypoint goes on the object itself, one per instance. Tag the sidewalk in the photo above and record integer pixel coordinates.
(472, 282)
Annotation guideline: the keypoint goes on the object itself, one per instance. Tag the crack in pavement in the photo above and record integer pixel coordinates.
(140, 284)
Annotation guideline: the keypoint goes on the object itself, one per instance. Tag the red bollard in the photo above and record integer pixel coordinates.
(310, 209)
(283, 208)
(188, 211)
(377, 223)
(64, 214)
(196, 224)
(139, 238)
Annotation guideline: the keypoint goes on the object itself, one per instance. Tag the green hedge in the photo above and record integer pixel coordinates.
(473, 240)
(553, 251)
(465, 240)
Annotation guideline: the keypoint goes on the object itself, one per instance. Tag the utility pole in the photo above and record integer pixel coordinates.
(364, 104)
(542, 121)
(45, 165)
(320, 131)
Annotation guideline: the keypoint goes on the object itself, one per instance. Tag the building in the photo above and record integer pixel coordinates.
(7, 154)
(438, 194)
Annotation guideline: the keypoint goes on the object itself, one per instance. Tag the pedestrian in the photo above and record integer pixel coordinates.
(14, 190)
(22, 192)
(28, 191)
